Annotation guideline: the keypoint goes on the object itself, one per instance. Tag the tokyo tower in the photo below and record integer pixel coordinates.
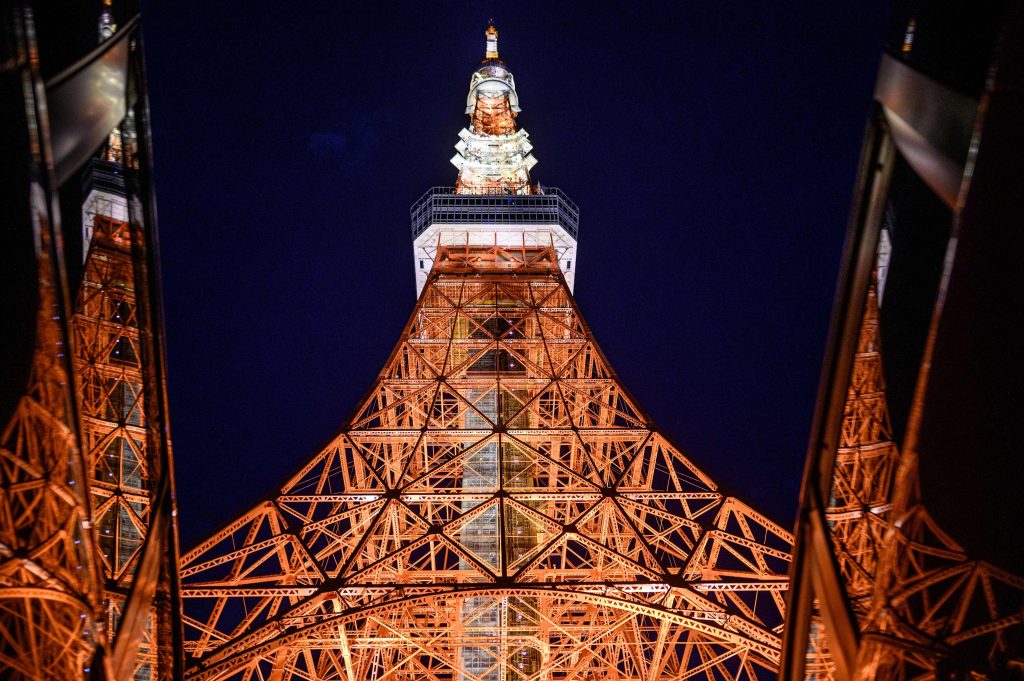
(498, 507)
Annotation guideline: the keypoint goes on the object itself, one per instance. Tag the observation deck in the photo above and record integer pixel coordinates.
(441, 205)
(546, 217)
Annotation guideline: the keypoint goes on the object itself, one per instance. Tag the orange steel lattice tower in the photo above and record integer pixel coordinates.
(498, 507)
(123, 437)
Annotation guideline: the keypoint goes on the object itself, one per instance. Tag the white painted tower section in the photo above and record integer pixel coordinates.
(476, 234)
(100, 202)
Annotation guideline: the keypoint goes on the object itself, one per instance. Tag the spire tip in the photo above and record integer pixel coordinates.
(491, 34)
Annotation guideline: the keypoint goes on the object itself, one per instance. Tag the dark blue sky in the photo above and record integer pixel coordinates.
(711, 147)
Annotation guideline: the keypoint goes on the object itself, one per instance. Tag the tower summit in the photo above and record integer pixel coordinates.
(494, 203)
(498, 507)
(493, 157)
(492, 42)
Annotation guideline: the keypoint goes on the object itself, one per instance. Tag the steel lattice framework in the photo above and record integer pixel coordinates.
(498, 507)
(120, 435)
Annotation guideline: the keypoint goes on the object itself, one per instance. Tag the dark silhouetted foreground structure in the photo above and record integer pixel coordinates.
(88, 549)
(908, 556)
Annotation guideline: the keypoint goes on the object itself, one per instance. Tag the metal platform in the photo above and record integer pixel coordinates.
(441, 205)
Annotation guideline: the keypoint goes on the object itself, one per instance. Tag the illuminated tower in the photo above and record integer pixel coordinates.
(122, 442)
(498, 506)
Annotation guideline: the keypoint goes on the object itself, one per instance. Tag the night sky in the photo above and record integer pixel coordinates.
(712, 149)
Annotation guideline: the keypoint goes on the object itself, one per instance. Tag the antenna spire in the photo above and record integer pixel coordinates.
(492, 41)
